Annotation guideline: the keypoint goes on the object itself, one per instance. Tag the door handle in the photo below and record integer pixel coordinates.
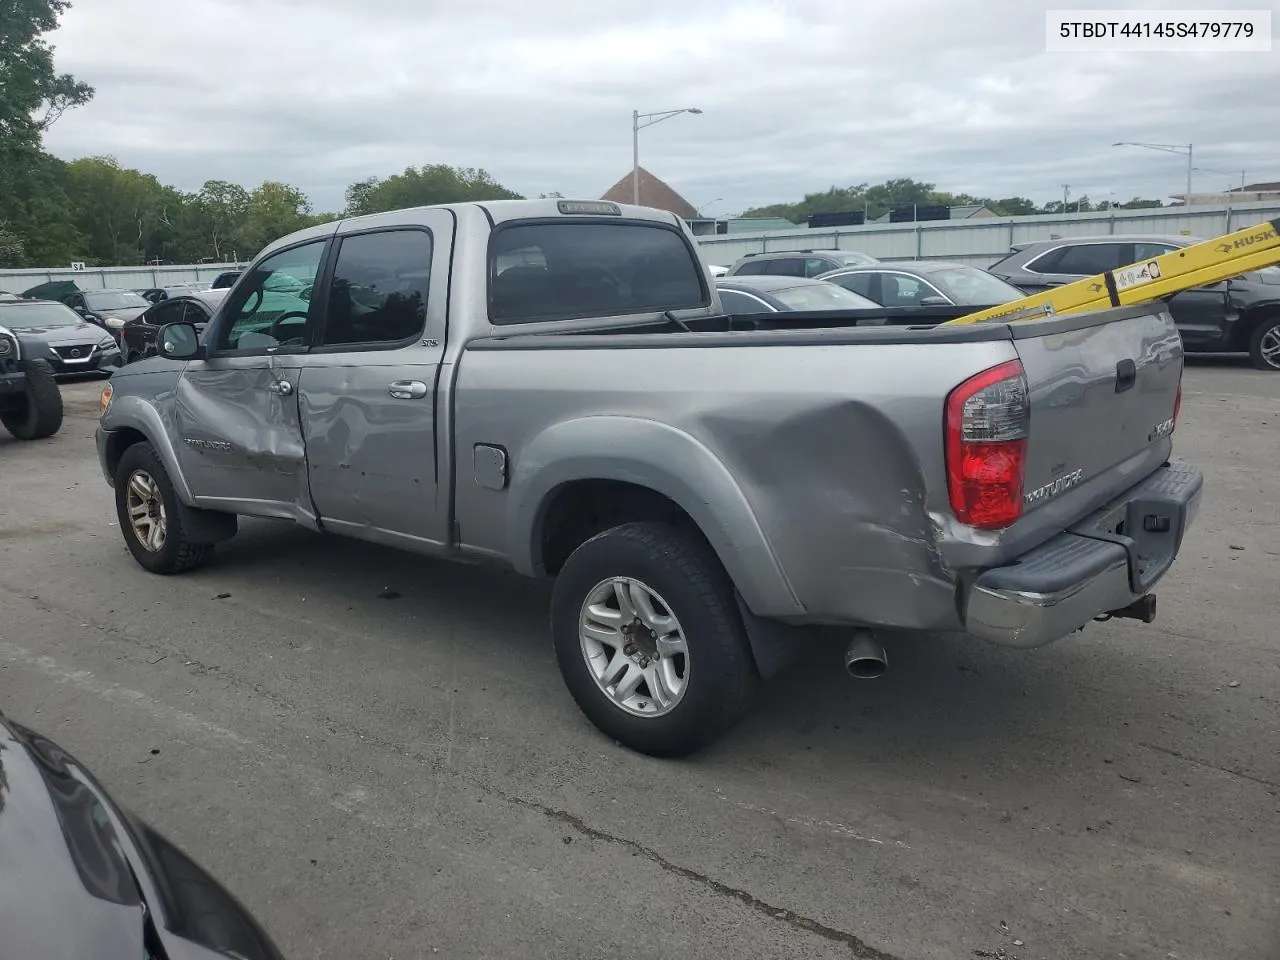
(281, 388)
(407, 389)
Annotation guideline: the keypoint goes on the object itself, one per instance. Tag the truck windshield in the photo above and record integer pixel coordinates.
(569, 269)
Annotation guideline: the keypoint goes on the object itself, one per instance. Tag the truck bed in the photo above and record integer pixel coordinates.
(835, 453)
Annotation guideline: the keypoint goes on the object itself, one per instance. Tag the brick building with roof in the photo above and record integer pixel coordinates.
(653, 193)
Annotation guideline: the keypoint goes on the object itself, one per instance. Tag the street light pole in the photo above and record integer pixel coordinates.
(1187, 148)
(638, 122)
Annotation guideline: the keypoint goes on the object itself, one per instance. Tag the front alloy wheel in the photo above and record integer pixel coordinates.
(147, 516)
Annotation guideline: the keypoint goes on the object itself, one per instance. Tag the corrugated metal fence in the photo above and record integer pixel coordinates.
(980, 242)
(125, 278)
(983, 242)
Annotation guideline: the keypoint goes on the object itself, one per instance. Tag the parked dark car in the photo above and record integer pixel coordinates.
(53, 332)
(924, 283)
(1241, 315)
(797, 263)
(780, 294)
(225, 280)
(138, 336)
(109, 309)
(80, 876)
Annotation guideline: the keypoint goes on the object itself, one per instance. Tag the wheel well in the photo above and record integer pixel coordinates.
(120, 441)
(1251, 321)
(581, 509)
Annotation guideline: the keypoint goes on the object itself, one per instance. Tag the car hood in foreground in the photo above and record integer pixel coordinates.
(80, 877)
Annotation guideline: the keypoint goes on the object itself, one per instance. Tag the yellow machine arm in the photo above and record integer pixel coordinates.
(1196, 266)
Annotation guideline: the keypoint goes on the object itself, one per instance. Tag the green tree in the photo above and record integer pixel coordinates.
(35, 212)
(221, 209)
(416, 187)
(32, 94)
(273, 210)
(1013, 207)
(121, 212)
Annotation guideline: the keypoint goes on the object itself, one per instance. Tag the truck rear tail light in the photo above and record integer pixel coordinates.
(986, 428)
(1177, 403)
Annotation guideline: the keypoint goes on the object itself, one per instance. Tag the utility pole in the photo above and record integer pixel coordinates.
(1066, 191)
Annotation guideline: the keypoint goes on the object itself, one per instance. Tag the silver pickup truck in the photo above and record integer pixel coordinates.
(552, 385)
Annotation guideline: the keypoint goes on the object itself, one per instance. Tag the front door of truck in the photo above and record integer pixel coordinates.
(367, 389)
(238, 434)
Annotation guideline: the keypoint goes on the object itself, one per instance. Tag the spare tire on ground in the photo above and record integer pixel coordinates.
(37, 413)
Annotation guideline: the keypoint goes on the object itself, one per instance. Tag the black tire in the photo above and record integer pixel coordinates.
(40, 414)
(1268, 330)
(722, 677)
(176, 554)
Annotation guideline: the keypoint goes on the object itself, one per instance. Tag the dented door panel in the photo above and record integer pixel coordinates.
(239, 438)
(371, 456)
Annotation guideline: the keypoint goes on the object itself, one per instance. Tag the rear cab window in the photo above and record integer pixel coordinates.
(569, 269)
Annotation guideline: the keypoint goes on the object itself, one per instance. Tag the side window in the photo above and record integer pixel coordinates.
(735, 302)
(1148, 251)
(272, 308)
(859, 283)
(752, 268)
(898, 290)
(786, 267)
(1087, 259)
(816, 265)
(164, 313)
(379, 289)
(195, 312)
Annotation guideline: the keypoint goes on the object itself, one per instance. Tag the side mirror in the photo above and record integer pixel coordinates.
(179, 341)
(935, 302)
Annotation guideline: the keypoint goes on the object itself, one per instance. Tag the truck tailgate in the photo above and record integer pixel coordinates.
(1103, 391)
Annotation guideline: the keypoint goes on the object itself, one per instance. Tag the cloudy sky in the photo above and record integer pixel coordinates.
(797, 96)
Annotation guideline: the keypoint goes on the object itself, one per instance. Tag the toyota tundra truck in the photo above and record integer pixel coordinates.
(552, 385)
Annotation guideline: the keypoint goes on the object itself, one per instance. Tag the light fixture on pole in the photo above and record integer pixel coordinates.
(638, 122)
(1186, 148)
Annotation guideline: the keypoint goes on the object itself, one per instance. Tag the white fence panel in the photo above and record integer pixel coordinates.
(982, 242)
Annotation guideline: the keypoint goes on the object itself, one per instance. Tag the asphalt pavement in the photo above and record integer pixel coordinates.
(374, 750)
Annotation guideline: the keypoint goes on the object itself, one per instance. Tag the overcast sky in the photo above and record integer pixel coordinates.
(797, 96)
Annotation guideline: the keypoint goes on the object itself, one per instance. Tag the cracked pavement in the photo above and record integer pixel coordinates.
(374, 750)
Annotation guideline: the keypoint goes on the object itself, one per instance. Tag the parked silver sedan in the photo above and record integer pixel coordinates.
(924, 283)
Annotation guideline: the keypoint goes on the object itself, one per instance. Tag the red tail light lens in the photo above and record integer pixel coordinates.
(1177, 403)
(986, 428)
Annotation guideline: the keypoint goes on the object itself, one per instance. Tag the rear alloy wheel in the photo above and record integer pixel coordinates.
(1264, 345)
(150, 517)
(649, 640)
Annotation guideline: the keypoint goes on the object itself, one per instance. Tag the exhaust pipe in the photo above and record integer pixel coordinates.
(865, 658)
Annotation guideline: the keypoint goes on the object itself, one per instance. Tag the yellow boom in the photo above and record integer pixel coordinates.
(1195, 266)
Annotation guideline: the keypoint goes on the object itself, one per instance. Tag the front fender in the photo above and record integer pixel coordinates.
(666, 460)
(133, 412)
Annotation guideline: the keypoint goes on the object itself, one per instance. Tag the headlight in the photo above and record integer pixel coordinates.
(105, 400)
(6, 346)
(115, 323)
(106, 344)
